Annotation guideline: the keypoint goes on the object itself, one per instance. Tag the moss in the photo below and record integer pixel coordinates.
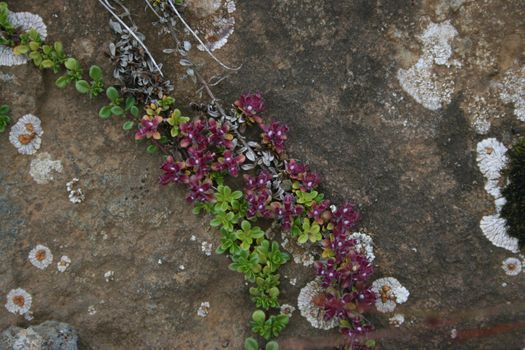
(514, 210)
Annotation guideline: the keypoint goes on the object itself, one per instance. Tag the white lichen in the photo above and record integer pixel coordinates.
(494, 228)
(491, 158)
(230, 6)
(75, 193)
(397, 320)
(40, 256)
(216, 36)
(287, 309)
(420, 81)
(92, 310)
(26, 134)
(63, 263)
(511, 266)
(204, 309)
(309, 310)
(389, 292)
(23, 21)
(109, 275)
(42, 168)
(18, 301)
(512, 90)
(364, 244)
(206, 248)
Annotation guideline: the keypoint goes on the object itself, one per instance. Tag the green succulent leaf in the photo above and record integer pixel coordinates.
(72, 64)
(117, 110)
(272, 345)
(95, 73)
(82, 86)
(112, 94)
(152, 149)
(105, 112)
(62, 81)
(251, 344)
(128, 125)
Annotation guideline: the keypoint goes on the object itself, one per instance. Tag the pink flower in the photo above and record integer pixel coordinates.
(251, 105)
(148, 127)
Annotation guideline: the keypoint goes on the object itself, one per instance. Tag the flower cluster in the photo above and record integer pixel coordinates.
(250, 105)
(274, 135)
(307, 180)
(258, 195)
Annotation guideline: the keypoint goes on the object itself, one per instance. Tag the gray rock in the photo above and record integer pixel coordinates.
(50, 335)
(203, 8)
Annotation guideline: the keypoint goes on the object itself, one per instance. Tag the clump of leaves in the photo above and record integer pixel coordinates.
(6, 29)
(251, 344)
(176, 119)
(514, 209)
(117, 108)
(271, 255)
(268, 328)
(247, 263)
(4, 117)
(247, 234)
(311, 231)
(266, 291)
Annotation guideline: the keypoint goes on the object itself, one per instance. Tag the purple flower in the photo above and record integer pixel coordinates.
(345, 218)
(260, 182)
(200, 190)
(199, 160)
(319, 211)
(356, 268)
(219, 134)
(295, 169)
(327, 270)
(275, 136)
(258, 204)
(173, 172)
(251, 105)
(287, 211)
(191, 133)
(335, 306)
(309, 181)
(229, 162)
(364, 297)
(148, 127)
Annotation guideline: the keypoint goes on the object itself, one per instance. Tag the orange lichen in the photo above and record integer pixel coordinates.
(19, 300)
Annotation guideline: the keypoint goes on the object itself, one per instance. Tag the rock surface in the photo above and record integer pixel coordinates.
(328, 69)
(50, 335)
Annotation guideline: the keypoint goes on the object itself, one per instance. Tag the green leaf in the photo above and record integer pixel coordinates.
(272, 345)
(105, 112)
(258, 316)
(4, 109)
(33, 45)
(134, 110)
(95, 73)
(128, 125)
(62, 81)
(82, 86)
(58, 47)
(117, 110)
(130, 102)
(152, 149)
(112, 93)
(20, 49)
(72, 64)
(250, 344)
(47, 64)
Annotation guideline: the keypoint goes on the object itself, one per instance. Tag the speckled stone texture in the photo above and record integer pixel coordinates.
(329, 70)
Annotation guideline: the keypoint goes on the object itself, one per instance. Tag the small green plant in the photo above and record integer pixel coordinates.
(268, 328)
(251, 344)
(226, 219)
(115, 107)
(228, 243)
(247, 234)
(266, 292)
(310, 231)
(271, 255)
(175, 120)
(308, 198)
(247, 263)
(226, 199)
(4, 117)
